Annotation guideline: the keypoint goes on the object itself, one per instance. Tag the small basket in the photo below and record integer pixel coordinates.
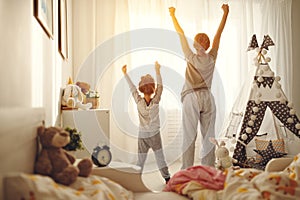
(95, 102)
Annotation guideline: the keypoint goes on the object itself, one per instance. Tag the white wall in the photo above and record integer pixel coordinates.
(32, 70)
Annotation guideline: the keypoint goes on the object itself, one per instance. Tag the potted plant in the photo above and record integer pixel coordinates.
(75, 140)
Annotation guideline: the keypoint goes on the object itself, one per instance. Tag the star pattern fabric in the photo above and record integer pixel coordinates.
(253, 43)
(269, 153)
(280, 110)
(255, 110)
(267, 81)
(267, 42)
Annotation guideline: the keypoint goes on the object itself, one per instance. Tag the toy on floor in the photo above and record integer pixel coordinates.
(224, 161)
(54, 161)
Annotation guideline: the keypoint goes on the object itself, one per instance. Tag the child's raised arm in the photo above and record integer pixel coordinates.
(132, 87)
(159, 88)
(157, 67)
(124, 69)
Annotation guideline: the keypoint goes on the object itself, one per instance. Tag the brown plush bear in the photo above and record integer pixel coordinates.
(85, 87)
(54, 161)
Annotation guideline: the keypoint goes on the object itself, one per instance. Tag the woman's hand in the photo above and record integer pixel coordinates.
(225, 8)
(172, 11)
(124, 69)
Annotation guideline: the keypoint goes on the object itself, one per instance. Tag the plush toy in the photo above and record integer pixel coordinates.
(85, 87)
(54, 161)
(73, 98)
(224, 161)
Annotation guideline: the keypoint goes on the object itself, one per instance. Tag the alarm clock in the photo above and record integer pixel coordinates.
(101, 156)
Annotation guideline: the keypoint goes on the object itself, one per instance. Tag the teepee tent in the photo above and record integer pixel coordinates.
(265, 92)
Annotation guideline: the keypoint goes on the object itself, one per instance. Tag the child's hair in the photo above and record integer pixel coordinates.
(203, 40)
(146, 84)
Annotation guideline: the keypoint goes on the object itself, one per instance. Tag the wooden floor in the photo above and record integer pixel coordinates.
(153, 179)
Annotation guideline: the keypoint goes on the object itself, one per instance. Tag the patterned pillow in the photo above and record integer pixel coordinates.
(278, 145)
(268, 153)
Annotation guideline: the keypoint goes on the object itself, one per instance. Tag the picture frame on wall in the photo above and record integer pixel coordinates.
(43, 12)
(63, 28)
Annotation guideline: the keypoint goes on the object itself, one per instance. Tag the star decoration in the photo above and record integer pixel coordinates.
(269, 153)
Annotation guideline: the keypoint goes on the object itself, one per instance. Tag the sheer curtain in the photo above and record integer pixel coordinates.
(234, 68)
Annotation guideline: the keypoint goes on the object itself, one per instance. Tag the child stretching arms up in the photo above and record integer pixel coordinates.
(149, 122)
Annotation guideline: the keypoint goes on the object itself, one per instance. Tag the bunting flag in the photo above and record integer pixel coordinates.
(267, 42)
(253, 43)
(265, 81)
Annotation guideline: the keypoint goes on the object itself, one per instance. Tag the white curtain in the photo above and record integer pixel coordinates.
(130, 19)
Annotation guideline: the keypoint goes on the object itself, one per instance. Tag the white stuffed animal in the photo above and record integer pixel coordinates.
(224, 161)
(73, 98)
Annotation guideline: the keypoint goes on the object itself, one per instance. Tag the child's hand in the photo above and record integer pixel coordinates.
(124, 69)
(172, 11)
(225, 8)
(157, 67)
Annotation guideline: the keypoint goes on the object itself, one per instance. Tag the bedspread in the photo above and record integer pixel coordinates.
(255, 184)
(32, 186)
(204, 182)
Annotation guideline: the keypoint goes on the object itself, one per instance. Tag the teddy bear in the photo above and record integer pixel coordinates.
(54, 161)
(85, 87)
(224, 161)
(73, 98)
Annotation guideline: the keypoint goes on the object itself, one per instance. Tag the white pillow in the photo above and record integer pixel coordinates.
(33, 186)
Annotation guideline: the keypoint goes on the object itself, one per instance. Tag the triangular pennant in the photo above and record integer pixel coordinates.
(253, 43)
(270, 81)
(259, 83)
(267, 42)
(266, 81)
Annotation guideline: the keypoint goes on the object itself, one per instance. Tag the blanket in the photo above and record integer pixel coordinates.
(31, 186)
(257, 184)
(204, 182)
(197, 182)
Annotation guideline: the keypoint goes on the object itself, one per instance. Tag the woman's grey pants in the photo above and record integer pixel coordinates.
(198, 106)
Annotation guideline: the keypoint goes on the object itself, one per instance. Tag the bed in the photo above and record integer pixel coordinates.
(18, 141)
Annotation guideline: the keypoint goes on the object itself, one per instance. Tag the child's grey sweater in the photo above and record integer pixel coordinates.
(148, 114)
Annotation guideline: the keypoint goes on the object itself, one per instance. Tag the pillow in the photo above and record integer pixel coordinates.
(268, 153)
(32, 186)
(278, 145)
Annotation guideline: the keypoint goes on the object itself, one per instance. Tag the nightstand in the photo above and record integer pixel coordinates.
(93, 125)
